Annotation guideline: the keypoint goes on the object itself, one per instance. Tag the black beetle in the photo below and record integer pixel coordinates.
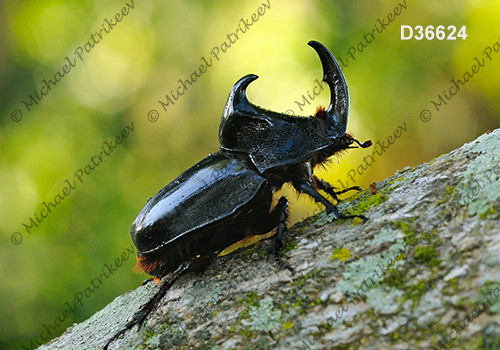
(227, 196)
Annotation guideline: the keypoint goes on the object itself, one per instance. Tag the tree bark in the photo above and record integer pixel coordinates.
(422, 273)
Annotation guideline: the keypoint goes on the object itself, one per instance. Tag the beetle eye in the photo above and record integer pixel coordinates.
(331, 132)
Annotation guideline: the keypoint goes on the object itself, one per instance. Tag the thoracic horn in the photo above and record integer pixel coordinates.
(237, 100)
(237, 111)
(338, 110)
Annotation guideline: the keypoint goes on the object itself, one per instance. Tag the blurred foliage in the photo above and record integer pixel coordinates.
(140, 61)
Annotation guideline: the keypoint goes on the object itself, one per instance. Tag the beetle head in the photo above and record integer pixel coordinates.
(333, 121)
(273, 139)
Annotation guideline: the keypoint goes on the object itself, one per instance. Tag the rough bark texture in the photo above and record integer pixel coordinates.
(423, 269)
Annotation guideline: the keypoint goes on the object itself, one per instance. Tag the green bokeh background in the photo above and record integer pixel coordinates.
(140, 61)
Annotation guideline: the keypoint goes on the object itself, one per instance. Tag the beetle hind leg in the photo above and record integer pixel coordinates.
(146, 309)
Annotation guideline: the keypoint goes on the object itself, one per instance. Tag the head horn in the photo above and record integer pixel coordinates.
(338, 110)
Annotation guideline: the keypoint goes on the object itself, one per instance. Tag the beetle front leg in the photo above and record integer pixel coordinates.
(325, 186)
(305, 187)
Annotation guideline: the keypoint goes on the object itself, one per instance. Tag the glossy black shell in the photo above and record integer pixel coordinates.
(215, 203)
(228, 195)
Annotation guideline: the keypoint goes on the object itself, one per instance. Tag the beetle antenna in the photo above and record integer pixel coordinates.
(365, 144)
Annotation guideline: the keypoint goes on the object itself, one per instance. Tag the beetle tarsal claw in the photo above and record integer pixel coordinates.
(277, 255)
(362, 217)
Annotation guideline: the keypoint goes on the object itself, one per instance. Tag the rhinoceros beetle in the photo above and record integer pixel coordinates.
(228, 196)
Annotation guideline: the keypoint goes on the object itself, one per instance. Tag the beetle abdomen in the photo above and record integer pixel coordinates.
(200, 213)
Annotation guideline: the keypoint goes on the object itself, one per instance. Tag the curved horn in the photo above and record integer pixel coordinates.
(338, 110)
(237, 99)
(237, 106)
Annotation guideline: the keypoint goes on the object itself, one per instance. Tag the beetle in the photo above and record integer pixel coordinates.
(228, 196)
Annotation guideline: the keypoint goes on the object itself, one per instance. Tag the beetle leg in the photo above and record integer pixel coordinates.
(281, 209)
(146, 309)
(325, 186)
(146, 281)
(305, 187)
(277, 217)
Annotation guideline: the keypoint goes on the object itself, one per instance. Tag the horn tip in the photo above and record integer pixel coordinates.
(245, 81)
(241, 85)
(312, 42)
